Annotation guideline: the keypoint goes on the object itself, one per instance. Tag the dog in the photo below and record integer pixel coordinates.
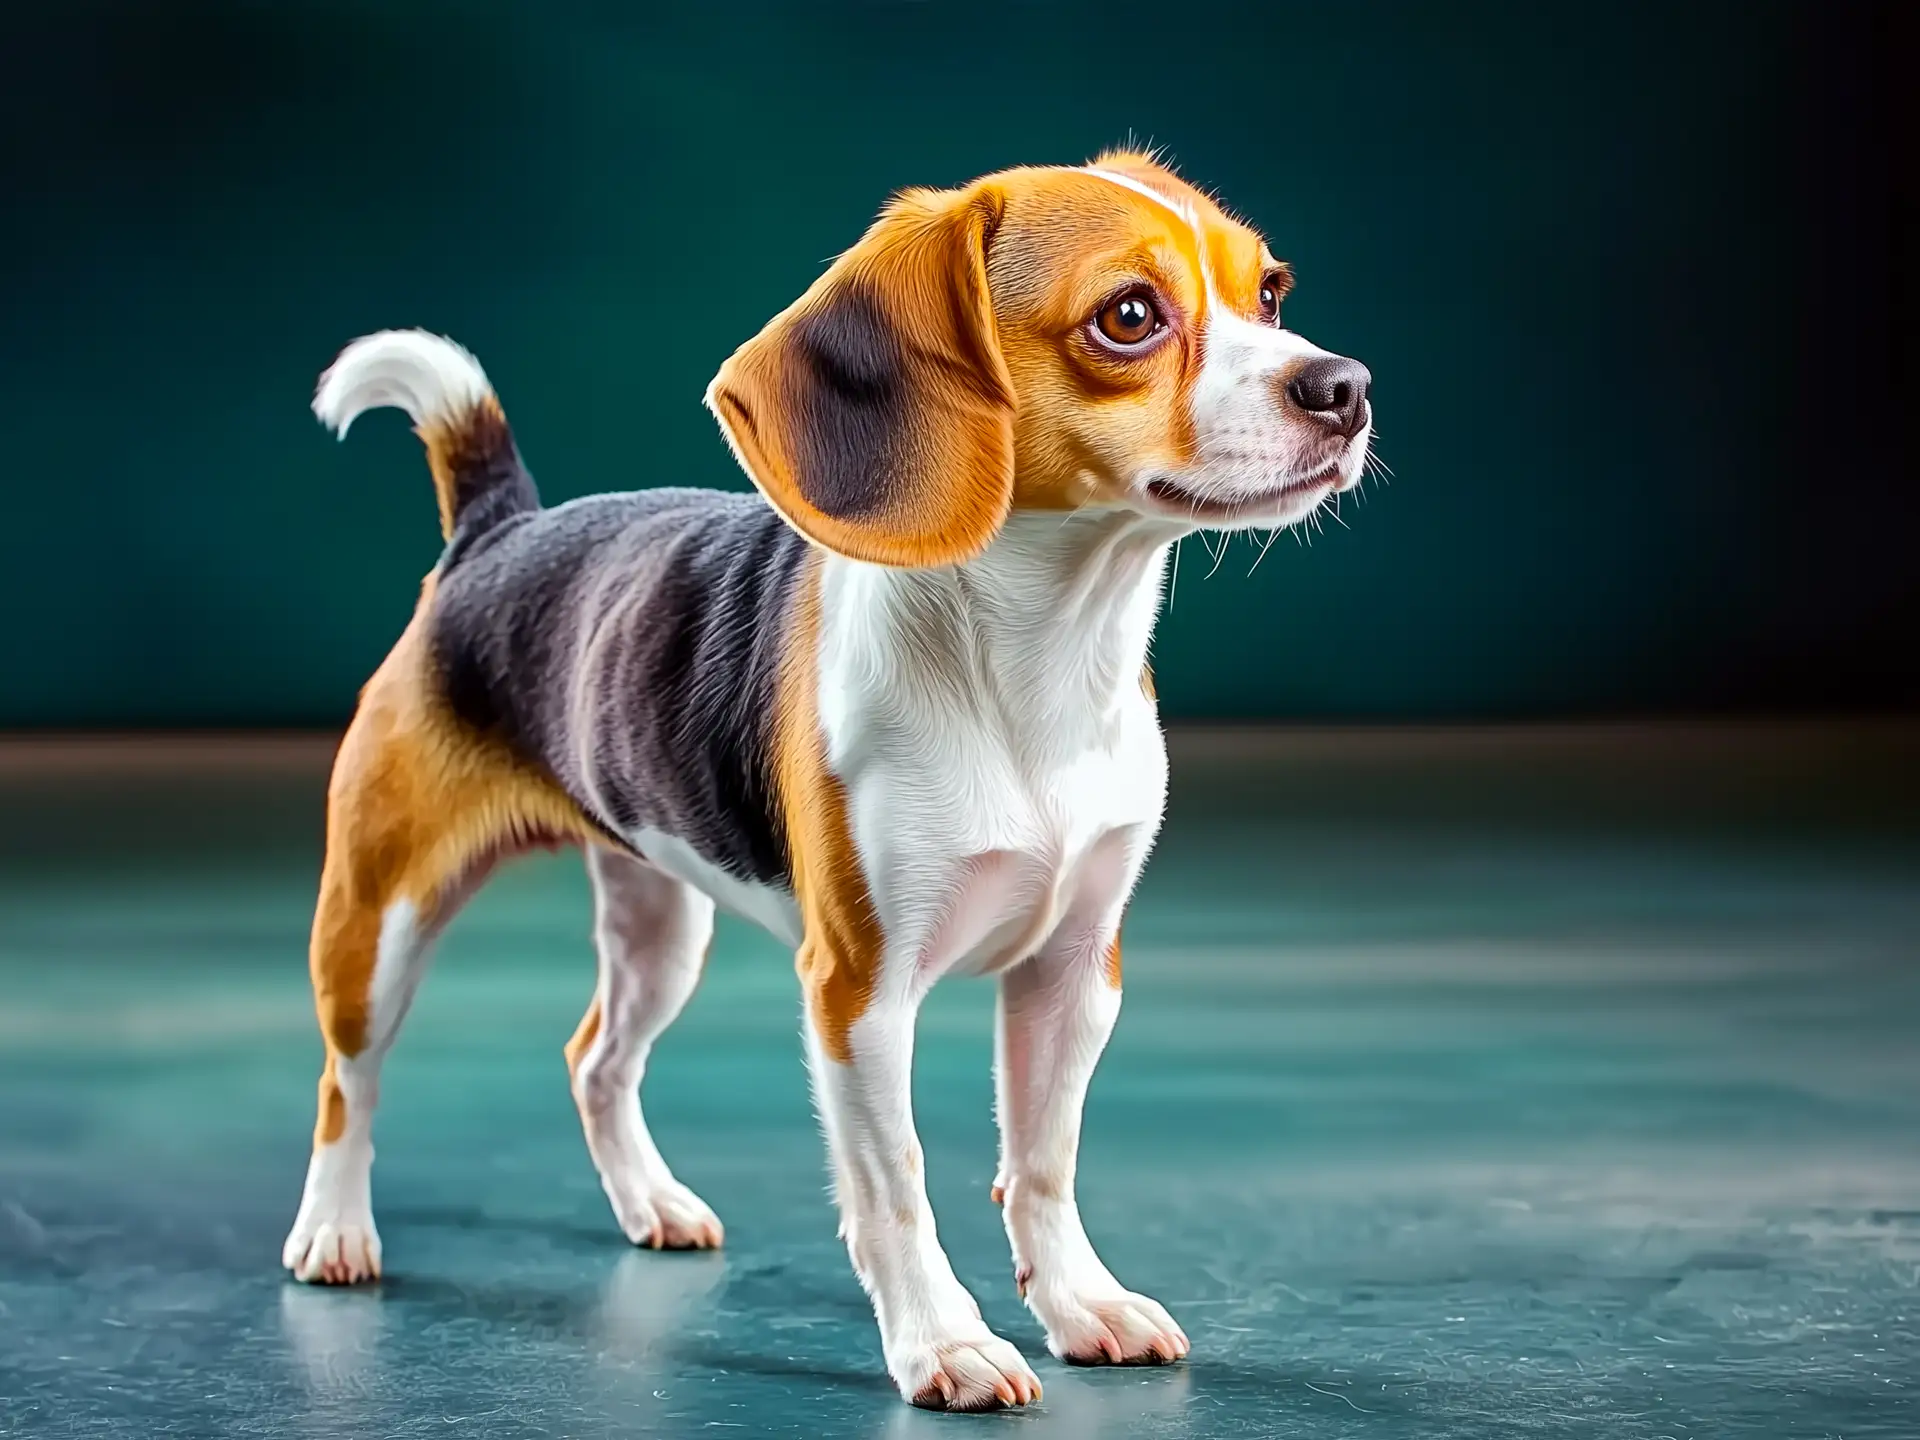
(895, 707)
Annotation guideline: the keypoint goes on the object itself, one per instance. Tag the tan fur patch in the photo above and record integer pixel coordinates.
(332, 1122)
(1237, 259)
(1089, 419)
(583, 1036)
(418, 807)
(1113, 963)
(462, 444)
(839, 958)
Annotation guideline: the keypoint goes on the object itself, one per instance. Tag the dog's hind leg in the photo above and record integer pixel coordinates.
(652, 932)
(369, 950)
(418, 811)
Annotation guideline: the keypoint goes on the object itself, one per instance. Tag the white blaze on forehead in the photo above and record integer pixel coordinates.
(1178, 207)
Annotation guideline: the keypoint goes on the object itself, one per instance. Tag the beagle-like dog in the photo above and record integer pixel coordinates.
(895, 707)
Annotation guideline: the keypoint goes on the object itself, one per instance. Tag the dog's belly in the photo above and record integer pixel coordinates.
(771, 908)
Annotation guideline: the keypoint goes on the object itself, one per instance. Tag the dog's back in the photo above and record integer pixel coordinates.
(630, 645)
(624, 646)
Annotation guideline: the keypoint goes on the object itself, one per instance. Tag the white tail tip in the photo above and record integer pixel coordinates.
(428, 376)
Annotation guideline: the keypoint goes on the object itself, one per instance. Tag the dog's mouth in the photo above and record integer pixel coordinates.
(1278, 503)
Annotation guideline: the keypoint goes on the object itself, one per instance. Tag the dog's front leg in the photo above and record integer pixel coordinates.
(1056, 1011)
(939, 1351)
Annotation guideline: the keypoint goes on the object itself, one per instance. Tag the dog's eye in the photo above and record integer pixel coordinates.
(1271, 289)
(1129, 321)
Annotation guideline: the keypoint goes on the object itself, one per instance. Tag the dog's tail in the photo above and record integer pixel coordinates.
(478, 475)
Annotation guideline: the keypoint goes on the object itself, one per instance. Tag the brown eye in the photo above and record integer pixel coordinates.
(1270, 292)
(1129, 321)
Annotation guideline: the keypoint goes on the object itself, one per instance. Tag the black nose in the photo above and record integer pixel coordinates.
(1333, 390)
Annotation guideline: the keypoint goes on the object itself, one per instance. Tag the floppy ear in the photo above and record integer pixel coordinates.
(876, 411)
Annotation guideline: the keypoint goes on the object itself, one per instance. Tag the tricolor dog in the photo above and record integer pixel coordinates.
(895, 707)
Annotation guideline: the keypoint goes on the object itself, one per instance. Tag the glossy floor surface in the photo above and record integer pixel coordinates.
(1529, 1084)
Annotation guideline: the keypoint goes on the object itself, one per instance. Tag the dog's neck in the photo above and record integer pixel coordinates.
(1044, 634)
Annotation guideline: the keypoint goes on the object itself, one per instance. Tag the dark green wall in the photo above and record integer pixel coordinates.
(1622, 272)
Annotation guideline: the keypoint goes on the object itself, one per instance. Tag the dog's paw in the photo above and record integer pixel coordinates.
(981, 1372)
(664, 1216)
(1111, 1329)
(332, 1249)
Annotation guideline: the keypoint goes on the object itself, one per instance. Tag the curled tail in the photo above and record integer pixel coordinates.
(478, 475)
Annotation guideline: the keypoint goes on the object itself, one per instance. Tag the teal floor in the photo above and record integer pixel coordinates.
(1466, 1086)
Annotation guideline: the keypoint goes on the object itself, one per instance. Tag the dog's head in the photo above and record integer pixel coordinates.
(1048, 339)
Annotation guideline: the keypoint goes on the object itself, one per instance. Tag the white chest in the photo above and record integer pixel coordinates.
(971, 861)
(1004, 769)
(974, 861)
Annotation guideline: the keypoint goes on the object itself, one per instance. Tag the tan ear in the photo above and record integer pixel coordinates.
(876, 411)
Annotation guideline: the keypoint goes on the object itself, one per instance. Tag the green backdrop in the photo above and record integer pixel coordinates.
(1621, 272)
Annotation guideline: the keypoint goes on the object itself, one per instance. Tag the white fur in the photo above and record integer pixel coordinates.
(1254, 453)
(1184, 211)
(1056, 1012)
(333, 1235)
(772, 909)
(652, 933)
(428, 376)
(1005, 776)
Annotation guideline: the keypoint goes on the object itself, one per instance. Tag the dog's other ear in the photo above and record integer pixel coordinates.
(876, 411)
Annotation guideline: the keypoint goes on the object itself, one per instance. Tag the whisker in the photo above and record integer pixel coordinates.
(1272, 535)
(1066, 519)
(1226, 539)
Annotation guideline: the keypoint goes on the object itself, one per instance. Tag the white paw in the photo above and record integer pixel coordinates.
(663, 1216)
(332, 1250)
(981, 1372)
(1112, 1329)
